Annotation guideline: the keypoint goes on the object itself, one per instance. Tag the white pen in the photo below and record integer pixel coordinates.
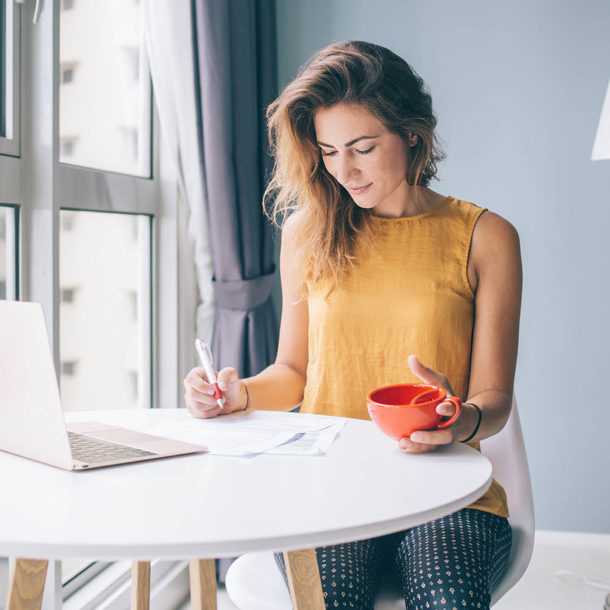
(205, 355)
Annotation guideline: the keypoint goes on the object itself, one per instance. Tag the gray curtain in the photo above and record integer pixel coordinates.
(236, 78)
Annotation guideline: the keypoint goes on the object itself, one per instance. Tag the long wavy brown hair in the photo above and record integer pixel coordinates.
(331, 228)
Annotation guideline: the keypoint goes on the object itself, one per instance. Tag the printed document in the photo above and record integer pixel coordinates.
(268, 432)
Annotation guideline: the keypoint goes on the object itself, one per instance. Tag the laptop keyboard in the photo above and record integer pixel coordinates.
(92, 450)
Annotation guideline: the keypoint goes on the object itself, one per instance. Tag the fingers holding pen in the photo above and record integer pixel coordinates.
(199, 394)
(229, 393)
(201, 398)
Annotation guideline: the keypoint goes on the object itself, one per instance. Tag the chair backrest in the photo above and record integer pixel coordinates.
(506, 452)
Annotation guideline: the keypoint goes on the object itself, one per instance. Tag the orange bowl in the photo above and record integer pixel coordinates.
(401, 409)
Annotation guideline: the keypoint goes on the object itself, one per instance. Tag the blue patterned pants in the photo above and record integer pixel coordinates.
(446, 564)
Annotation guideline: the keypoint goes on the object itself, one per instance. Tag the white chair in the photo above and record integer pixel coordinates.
(254, 581)
(506, 452)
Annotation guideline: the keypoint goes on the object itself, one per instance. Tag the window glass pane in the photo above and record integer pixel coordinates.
(8, 253)
(9, 98)
(3, 257)
(4, 569)
(3, 42)
(105, 99)
(105, 293)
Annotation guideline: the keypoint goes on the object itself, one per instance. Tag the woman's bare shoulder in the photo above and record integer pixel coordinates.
(495, 243)
(292, 224)
(494, 231)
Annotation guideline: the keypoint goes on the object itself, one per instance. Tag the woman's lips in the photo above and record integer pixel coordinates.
(357, 190)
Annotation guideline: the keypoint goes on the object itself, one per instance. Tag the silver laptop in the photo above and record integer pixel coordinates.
(31, 417)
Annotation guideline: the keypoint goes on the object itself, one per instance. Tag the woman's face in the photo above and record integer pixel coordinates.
(369, 161)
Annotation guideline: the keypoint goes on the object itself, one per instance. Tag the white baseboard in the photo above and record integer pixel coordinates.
(584, 540)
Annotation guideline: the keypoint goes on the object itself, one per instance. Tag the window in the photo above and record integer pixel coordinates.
(9, 78)
(107, 330)
(66, 147)
(67, 221)
(93, 238)
(132, 296)
(8, 252)
(67, 73)
(67, 295)
(106, 103)
(68, 368)
(134, 379)
(130, 142)
(132, 62)
(2, 72)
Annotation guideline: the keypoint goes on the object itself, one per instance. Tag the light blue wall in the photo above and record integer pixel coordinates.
(518, 89)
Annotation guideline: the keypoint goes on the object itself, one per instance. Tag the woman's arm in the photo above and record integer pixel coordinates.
(280, 386)
(496, 277)
(494, 273)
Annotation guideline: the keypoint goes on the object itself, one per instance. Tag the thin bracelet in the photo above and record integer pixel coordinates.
(476, 428)
(247, 398)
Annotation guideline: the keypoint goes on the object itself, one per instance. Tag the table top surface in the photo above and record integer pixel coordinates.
(203, 506)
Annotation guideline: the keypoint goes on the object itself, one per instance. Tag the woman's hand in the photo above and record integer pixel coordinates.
(422, 441)
(199, 394)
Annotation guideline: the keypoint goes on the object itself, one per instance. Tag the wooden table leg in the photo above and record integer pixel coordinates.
(304, 580)
(140, 585)
(27, 584)
(203, 584)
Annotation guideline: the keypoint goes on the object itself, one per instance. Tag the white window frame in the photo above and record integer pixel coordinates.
(52, 186)
(12, 247)
(10, 145)
(49, 186)
(11, 183)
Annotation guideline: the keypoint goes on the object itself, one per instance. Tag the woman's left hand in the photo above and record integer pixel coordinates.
(422, 441)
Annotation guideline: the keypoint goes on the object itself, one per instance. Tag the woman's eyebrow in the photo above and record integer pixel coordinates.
(350, 142)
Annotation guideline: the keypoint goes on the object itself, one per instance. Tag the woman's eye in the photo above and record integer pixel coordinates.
(328, 153)
(365, 152)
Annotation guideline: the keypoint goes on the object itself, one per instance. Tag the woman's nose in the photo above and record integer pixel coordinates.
(346, 169)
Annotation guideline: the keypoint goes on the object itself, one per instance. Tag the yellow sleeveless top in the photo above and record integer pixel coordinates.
(411, 296)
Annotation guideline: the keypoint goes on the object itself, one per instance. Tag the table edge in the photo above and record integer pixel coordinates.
(209, 550)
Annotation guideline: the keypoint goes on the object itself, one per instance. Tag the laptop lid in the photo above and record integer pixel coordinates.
(31, 417)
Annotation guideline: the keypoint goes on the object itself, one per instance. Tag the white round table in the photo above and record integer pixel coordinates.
(208, 506)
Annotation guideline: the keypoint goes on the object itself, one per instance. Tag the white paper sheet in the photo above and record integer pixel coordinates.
(269, 432)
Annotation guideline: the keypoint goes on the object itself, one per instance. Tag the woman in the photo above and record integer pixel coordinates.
(377, 267)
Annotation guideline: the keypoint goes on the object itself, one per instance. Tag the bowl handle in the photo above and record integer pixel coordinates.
(458, 409)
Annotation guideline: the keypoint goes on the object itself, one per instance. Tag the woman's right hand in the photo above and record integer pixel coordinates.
(199, 394)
